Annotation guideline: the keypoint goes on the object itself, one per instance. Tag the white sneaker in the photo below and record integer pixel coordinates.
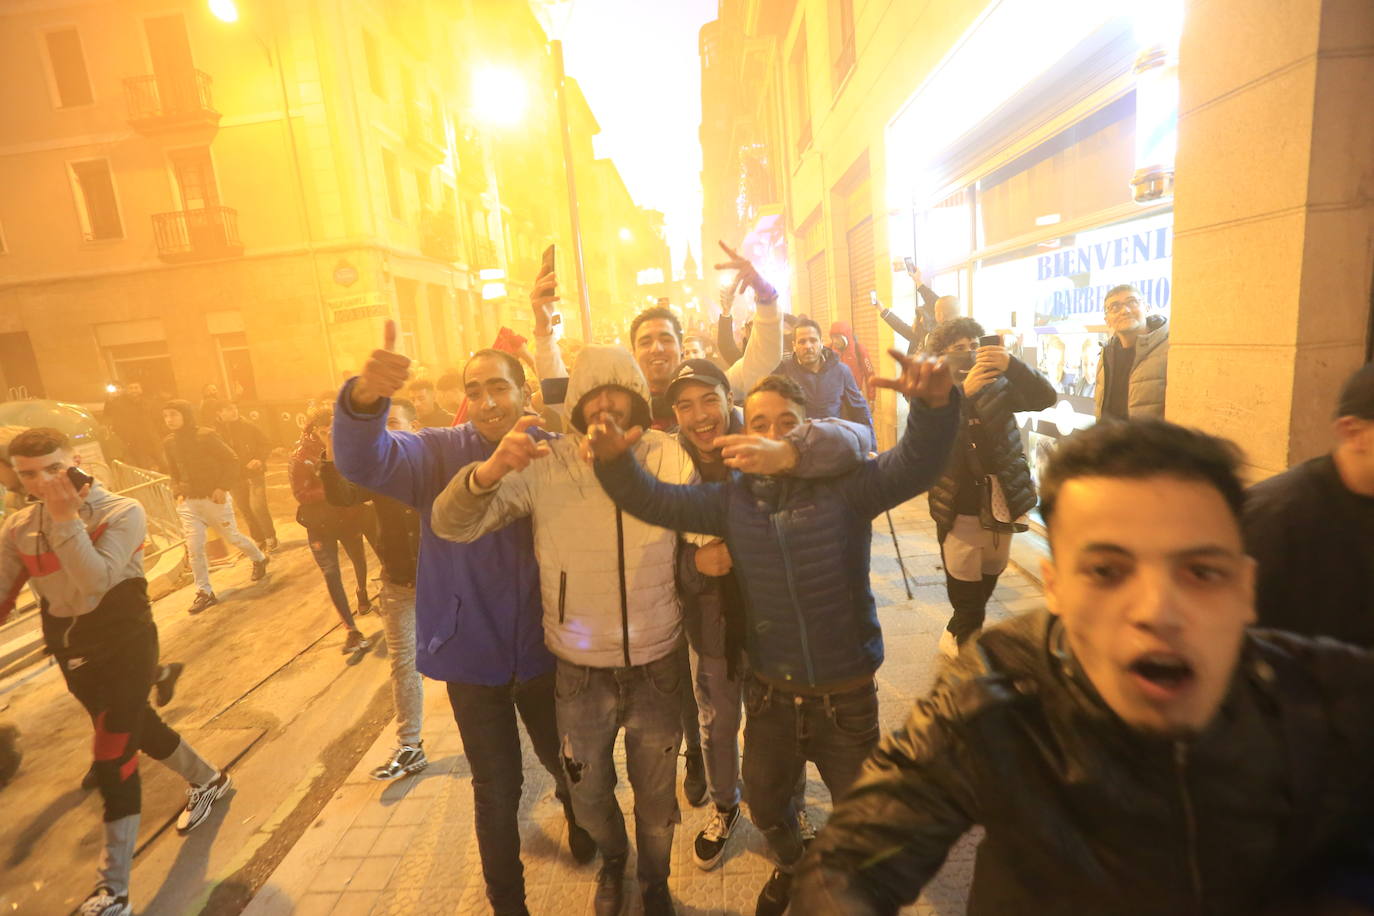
(104, 902)
(949, 646)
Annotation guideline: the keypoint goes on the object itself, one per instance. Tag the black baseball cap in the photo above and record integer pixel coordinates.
(1357, 395)
(702, 371)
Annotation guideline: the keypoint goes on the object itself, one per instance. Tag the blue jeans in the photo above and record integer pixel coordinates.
(783, 730)
(594, 704)
(324, 545)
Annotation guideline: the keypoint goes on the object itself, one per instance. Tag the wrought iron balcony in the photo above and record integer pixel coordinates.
(197, 235)
(161, 104)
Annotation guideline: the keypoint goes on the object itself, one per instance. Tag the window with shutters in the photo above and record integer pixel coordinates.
(67, 61)
(841, 41)
(863, 317)
(95, 200)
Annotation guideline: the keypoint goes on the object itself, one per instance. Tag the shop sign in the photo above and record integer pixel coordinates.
(345, 274)
(1077, 278)
(356, 307)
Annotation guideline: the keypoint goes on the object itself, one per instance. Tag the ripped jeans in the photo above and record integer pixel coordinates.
(594, 704)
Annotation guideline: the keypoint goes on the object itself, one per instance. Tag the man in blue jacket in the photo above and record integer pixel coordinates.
(813, 639)
(477, 608)
(825, 381)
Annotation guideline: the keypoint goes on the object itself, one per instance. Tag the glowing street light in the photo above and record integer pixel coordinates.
(224, 10)
(500, 96)
(626, 235)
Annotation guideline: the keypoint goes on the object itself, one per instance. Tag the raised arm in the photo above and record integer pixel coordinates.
(887, 839)
(725, 329)
(486, 496)
(918, 460)
(395, 464)
(698, 508)
(91, 563)
(764, 349)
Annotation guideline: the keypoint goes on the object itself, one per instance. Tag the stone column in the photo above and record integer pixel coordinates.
(1274, 220)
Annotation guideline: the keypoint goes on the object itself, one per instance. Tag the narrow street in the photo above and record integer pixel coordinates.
(266, 692)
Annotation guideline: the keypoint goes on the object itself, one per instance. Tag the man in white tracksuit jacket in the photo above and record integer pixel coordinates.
(611, 611)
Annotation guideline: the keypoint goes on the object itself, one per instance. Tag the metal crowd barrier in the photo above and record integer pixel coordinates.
(153, 490)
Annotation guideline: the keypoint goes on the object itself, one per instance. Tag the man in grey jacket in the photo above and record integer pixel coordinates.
(1135, 362)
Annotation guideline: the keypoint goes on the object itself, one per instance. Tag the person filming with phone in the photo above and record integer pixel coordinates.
(979, 501)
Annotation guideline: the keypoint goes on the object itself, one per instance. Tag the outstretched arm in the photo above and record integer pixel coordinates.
(488, 495)
(920, 457)
(699, 508)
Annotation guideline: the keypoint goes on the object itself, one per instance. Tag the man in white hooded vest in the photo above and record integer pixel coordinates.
(611, 612)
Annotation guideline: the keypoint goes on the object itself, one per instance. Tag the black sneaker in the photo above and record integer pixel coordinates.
(580, 842)
(103, 902)
(710, 844)
(694, 780)
(610, 887)
(166, 686)
(775, 895)
(658, 901)
(406, 759)
(356, 642)
(199, 801)
(203, 600)
(364, 602)
(259, 570)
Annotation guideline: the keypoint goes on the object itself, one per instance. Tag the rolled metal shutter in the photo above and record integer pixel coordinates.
(863, 317)
(817, 292)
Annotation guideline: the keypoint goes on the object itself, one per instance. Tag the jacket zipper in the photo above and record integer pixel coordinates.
(562, 593)
(624, 601)
(1189, 820)
(792, 590)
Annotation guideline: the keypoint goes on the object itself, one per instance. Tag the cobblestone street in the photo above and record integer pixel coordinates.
(408, 847)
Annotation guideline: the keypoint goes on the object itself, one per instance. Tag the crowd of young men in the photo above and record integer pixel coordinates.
(694, 553)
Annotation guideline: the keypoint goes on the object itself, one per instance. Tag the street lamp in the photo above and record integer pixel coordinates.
(500, 96)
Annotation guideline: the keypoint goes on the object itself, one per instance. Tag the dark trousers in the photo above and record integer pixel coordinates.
(783, 730)
(324, 546)
(486, 718)
(250, 498)
(113, 687)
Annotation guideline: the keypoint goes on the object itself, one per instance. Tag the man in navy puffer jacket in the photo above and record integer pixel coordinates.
(813, 640)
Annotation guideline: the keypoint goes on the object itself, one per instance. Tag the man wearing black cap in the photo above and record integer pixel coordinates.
(710, 428)
(1312, 530)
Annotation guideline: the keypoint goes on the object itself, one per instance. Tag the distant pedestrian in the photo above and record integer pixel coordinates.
(84, 550)
(827, 383)
(204, 470)
(852, 354)
(251, 447)
(425, 396)
(398, 548)
(1134, 367)
(134, 419)
(980, 501)
(1312, 530)
(328, 526)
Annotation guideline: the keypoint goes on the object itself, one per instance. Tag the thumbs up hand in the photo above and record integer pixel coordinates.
(384, 373)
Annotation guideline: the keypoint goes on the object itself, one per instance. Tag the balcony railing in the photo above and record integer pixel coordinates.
(158, 104)
(422, 135)
(195, 235)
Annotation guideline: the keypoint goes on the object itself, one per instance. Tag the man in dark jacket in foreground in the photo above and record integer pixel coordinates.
(980, 501)
(1134, 750)
(203, 471)
(802, 551)
(1312, 530)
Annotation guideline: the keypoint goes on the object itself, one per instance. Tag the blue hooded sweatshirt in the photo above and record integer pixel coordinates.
(478, 614)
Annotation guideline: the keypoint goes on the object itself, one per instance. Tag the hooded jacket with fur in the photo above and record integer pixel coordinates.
(606, 579)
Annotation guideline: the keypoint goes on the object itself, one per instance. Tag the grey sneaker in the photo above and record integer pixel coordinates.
(259, 570)
(199, 801)
(103, 902)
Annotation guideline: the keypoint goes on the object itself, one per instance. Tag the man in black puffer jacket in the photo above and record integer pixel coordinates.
(1134, 750)
(978, 503)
